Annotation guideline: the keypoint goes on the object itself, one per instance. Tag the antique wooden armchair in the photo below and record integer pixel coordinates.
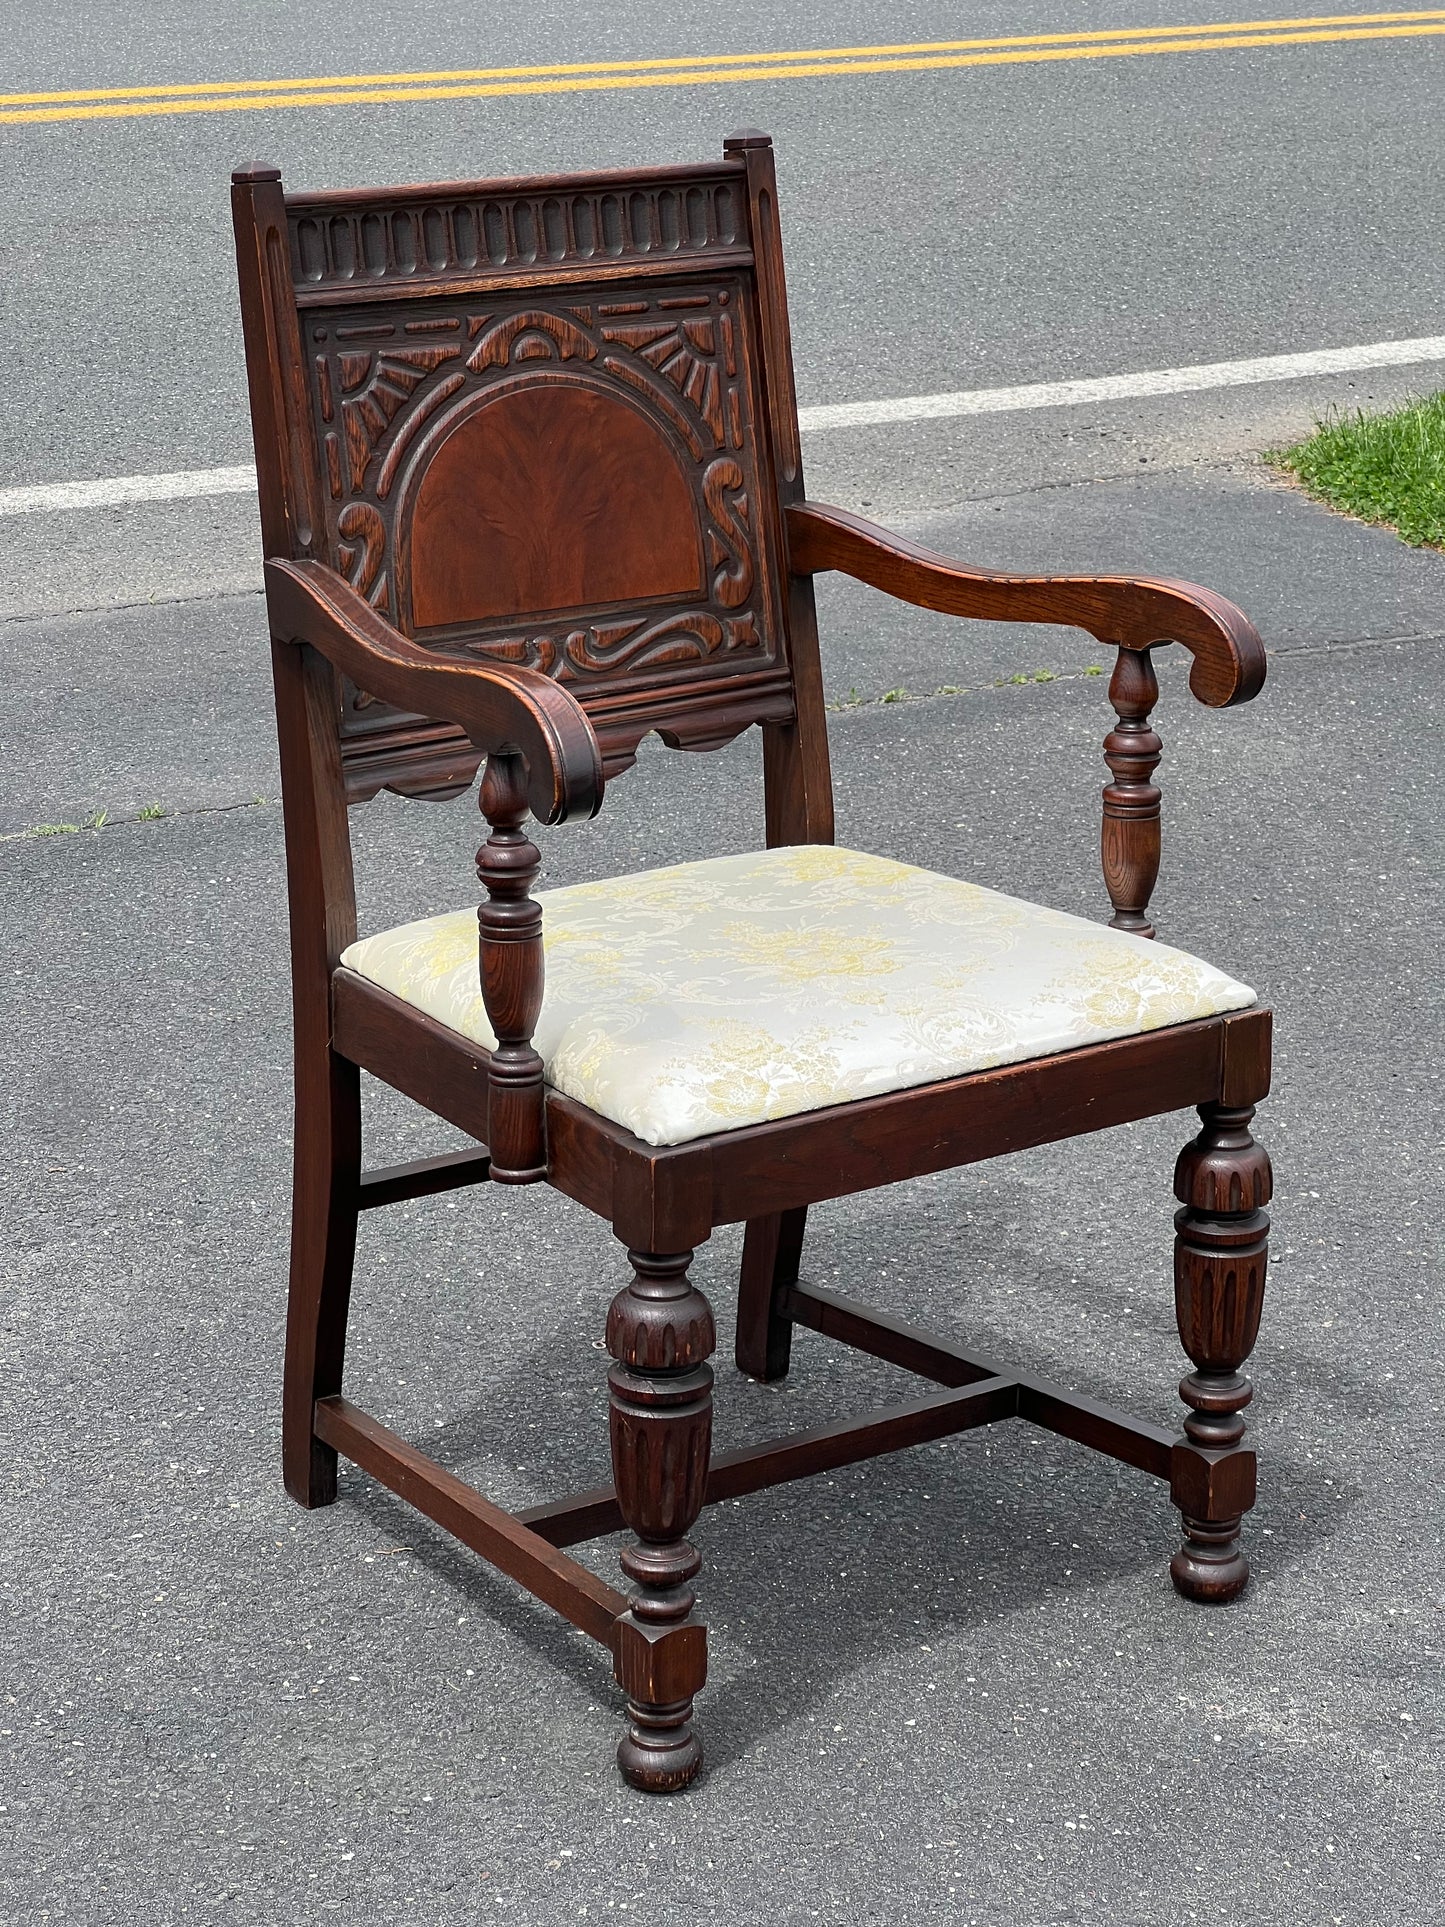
(530, 489)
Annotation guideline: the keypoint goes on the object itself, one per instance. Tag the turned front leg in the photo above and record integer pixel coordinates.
(1223, 1183)
(660, 1332)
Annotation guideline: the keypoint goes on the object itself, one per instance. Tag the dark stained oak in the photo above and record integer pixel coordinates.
(579, 1595)
(936, 1127)
(531, 488)
(803, 1455)
(650, 1191)
(772, 1252)
(1070, 1414)
(326, 1155)
(500, 707)
(660, 1334)
(422, 1178)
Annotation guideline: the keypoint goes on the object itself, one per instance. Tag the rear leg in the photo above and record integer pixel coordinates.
(327, 1172)
(772, 1251)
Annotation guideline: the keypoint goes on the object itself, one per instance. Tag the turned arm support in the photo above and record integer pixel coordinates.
(542, 758)
(1133, 614)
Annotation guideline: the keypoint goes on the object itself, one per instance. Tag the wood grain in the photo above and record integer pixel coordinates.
(551, 497)
(500, 708)
(326, 1141)
(757, 1468)
(880, 1140)
(423, 1178)
(772, 1252)
(509, 922)
(1130, 843)
(1135, 1441)
(660, 1333)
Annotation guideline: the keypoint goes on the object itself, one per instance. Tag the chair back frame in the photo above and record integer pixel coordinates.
(549, 422)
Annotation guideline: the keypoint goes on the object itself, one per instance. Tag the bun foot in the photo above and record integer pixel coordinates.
(1210, 1567)
(659, 1752)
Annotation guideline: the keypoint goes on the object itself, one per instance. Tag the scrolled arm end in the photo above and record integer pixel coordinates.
(1229, 660)
(503, 709)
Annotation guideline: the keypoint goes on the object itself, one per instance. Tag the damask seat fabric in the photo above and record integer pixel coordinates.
(712, 995)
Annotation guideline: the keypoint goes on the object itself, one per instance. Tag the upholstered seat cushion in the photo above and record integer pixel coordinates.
(712, 995)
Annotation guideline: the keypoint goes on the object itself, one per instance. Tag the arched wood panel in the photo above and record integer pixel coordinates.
(554, 497)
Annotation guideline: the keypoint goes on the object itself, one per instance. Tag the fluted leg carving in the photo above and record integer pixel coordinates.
(660, 1332)
(1223, 1183)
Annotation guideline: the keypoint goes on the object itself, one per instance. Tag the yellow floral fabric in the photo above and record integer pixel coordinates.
(712, 995)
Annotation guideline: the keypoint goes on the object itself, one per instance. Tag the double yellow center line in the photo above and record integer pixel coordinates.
(817, 63)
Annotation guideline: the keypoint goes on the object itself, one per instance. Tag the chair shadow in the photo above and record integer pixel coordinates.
(970, 1562)
(1114, 1523)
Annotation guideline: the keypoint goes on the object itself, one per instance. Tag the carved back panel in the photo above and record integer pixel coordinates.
(546, 421)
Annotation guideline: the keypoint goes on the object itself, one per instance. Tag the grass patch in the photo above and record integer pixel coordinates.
(1388, 468)
(96, 822)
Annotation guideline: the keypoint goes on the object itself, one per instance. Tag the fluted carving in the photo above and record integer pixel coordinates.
(1130, 846)
(660, 1333)
(510, 923)
(1223, 1182)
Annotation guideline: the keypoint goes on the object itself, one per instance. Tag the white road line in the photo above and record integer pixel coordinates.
(1159, 381)
(117, 491)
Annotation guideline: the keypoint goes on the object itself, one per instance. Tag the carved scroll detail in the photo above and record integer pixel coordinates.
(360, 524)
(533, 335)
(729, 539)
(391, 379)
(685, 353)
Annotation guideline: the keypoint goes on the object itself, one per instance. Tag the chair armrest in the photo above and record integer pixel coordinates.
(1126, 612)
(505, 710)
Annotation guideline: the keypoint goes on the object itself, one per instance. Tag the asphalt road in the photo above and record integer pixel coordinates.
(954, 1687)
(944, 230)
